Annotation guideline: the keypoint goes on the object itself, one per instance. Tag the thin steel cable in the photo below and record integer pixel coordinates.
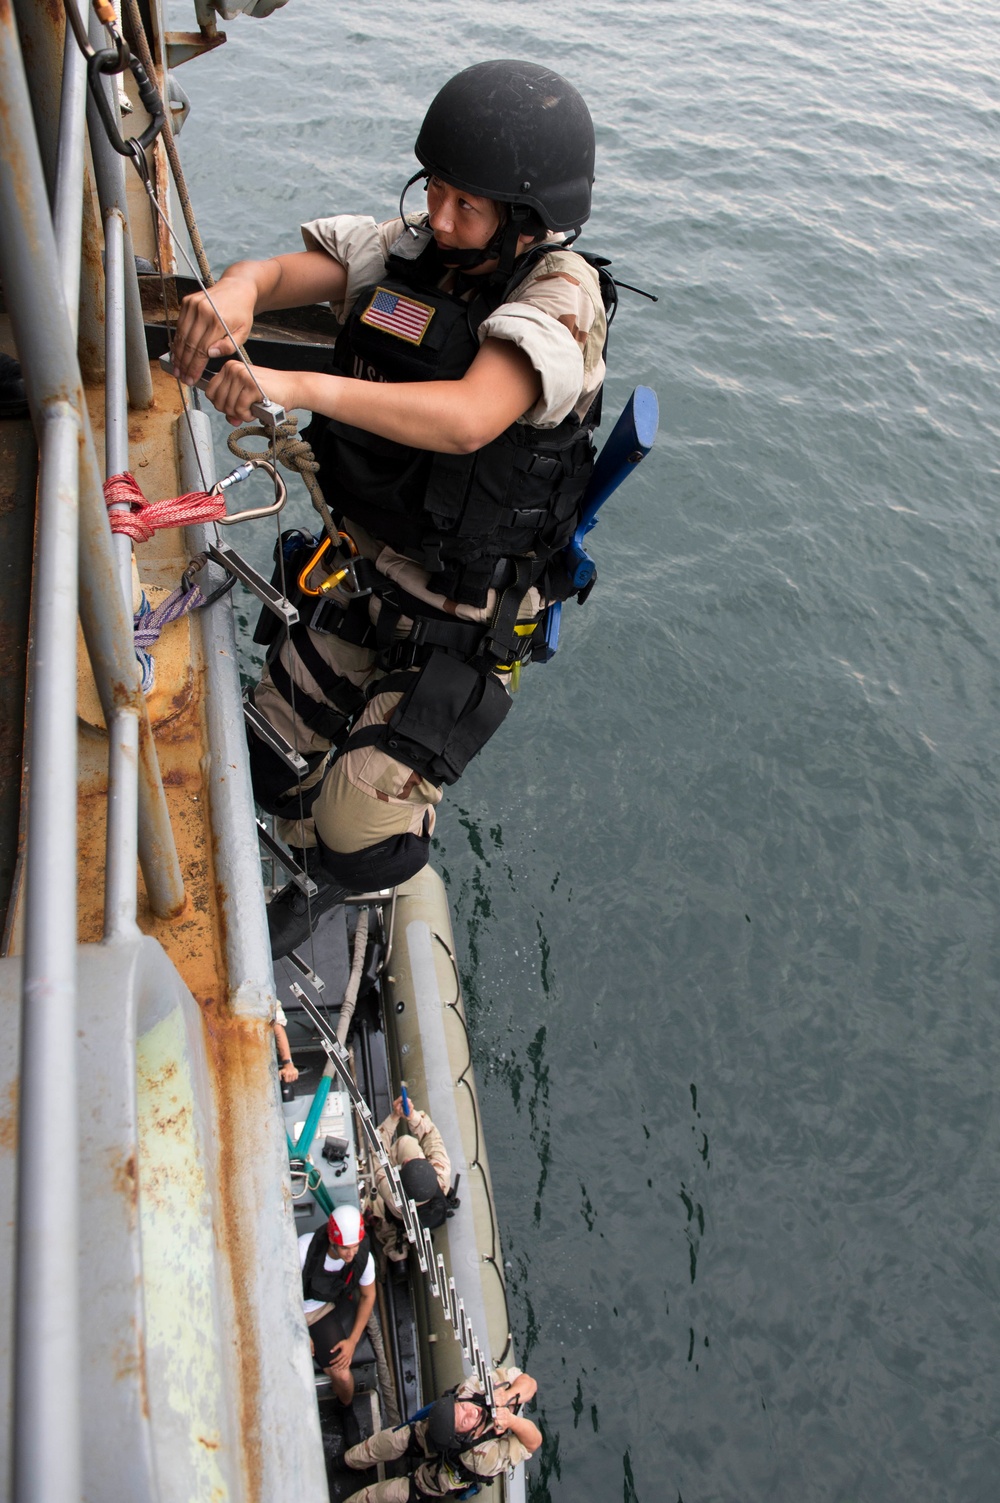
(240, 352)
(177, 171)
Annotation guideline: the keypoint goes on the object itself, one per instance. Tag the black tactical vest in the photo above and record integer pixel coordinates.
(458, 515)
(319, 1283)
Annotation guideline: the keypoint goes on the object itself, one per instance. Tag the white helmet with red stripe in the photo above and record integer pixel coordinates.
(344, 1228)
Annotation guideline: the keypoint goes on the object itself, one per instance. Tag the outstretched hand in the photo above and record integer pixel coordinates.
(201, 335)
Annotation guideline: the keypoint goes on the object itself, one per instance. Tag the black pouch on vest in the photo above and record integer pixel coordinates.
(445, 718)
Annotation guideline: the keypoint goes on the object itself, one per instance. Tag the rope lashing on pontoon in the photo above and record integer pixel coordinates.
(354, 980)
(295, 453)
(144, 518)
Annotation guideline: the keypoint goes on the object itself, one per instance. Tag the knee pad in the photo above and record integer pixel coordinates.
(274, 782)
(386, 864)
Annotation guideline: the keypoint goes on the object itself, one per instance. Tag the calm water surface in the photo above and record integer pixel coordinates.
(725, 884)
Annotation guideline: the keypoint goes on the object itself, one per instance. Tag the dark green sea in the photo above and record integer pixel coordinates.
(725, 884)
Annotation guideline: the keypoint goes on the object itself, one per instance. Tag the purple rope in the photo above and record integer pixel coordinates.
(178, 604)
(149, 624)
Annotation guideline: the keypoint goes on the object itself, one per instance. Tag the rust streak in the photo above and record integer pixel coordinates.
(8, 1119)
(126, 1180)
(239, 1055)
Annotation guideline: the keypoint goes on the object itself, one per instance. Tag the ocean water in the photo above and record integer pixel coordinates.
(725, 884)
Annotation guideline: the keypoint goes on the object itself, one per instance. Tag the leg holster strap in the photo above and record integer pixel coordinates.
(447, 714)
(328, 720)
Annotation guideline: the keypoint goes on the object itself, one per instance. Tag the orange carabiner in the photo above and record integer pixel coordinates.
(324, 545)
(332, 580)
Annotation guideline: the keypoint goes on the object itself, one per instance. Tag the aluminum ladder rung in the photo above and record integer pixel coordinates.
(305, 969)
(280, 853)
(261, 587)
(275, 740)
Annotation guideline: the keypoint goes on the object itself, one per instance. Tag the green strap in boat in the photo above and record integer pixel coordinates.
(309, 1126)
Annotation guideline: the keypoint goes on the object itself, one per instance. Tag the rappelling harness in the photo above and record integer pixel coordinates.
(498, 519)
(449, 1471)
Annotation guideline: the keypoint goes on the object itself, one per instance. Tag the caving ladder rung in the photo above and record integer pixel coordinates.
(265, 731)
(261, 587)
(281, 854)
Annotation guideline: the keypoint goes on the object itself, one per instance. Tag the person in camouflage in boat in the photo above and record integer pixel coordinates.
(456, 1445)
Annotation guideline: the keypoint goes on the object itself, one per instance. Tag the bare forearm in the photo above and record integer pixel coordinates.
(435, 415)
(290, 281)
(525, 1431)
(448, 417)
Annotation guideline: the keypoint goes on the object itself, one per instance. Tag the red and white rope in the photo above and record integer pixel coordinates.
(144, 518)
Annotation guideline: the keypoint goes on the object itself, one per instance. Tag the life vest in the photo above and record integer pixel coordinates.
(319, 1283)
(459, 515)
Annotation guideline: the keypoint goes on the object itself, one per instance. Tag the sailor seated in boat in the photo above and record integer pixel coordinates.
(456, 1445)
(425, 1170)
(455, 441)
(338, 1293)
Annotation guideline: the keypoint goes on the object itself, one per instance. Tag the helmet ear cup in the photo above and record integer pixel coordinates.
(517, 133)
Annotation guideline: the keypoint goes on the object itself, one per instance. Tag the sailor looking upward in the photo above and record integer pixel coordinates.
(457, 1447)
(415, 1146)
(454, 434)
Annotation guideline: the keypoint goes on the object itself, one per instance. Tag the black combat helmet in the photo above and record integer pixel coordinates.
(517, 133)
(419, 1180)
(441, 1430)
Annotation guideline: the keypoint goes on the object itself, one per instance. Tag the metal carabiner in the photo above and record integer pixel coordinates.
(195, 567)
(332, 580)
(112, 61)
(240, 473)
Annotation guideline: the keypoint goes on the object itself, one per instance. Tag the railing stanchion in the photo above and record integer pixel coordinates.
(46, 1329)
(123, 830)
(109, 175)
(68, 203)
(116, 459)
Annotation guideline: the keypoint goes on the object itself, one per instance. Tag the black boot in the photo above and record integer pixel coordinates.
(349, 1424)
(289, 911)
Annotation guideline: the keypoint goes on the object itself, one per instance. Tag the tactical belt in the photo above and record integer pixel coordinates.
(485, 644)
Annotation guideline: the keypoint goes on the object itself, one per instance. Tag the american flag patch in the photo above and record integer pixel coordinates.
(398, 315)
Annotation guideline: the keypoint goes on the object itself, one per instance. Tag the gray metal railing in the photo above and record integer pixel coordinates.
(41, 277)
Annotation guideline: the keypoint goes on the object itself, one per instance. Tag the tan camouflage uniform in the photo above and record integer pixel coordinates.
(557, 318)
(488, 1459)
(422, 1141)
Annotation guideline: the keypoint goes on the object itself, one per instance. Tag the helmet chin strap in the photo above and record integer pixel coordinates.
(502, 246)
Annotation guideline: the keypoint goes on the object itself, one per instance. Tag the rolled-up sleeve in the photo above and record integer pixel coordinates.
(558, 320)
(552, 351)
(358, 243)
